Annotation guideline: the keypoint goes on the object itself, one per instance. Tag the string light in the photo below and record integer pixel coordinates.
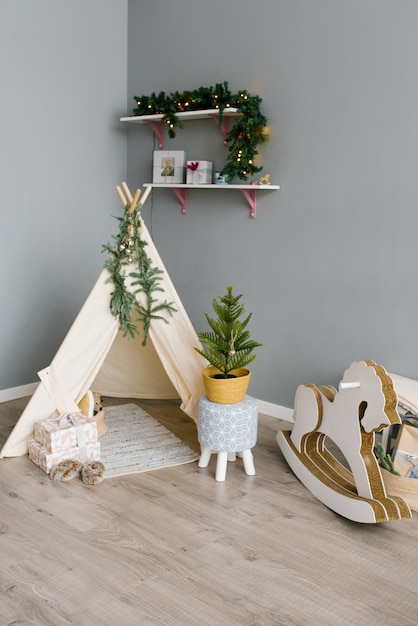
(247, 131)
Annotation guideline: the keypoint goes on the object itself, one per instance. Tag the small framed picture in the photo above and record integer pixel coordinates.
(169, 166)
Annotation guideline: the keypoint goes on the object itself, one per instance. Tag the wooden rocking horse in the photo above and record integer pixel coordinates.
(364, 404)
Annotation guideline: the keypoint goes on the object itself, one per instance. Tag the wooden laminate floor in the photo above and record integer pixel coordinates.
(175, 548)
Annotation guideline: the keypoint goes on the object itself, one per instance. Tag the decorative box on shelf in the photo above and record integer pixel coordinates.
(168, 166)
(199, 172)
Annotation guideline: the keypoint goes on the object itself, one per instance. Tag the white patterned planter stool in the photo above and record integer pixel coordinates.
(227, 429)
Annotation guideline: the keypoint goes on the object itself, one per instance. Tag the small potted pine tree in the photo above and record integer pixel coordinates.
(229, 348)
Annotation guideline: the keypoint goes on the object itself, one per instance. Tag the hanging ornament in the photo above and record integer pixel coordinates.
(127, 246)
(234, 334)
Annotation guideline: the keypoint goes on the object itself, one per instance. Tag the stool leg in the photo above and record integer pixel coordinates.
(204, 457)
(231, 456)
(221, 466)
(247, 459)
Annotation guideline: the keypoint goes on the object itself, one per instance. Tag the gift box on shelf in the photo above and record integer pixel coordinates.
(199, 172)
(46, 459)
(405, 452)
(168, 166)
(66, 431)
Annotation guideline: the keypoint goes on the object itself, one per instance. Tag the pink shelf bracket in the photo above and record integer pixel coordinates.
(225, 126)
(158, 130)
(182, 197)
(251, 197)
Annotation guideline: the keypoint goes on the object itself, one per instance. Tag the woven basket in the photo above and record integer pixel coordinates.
(101, 424)
(406, 488)
(226, 390)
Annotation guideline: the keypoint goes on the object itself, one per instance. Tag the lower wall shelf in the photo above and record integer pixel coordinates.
(249, 192)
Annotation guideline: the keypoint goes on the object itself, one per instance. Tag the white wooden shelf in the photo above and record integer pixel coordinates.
(181, 190)
(158, 126)
(249, 192)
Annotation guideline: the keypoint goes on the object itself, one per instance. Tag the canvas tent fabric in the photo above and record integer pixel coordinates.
(94, 355)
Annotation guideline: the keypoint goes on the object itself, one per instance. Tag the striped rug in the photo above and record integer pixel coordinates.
(136, 442)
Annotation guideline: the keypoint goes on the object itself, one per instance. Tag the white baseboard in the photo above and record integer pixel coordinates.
(267, 408)
(275, 410)
(17, 392)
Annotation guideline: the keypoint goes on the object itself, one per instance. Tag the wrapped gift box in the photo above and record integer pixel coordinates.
(168, 166)
(46, 460)
(66, 431)
(199, 172)
(405, 452)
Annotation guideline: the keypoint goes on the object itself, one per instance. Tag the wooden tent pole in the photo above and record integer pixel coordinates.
(145, 195)
(127, 191)
(135, 201)
(128, 199)
(121, 196)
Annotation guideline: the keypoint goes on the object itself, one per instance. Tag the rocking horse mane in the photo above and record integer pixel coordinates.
(328, 390)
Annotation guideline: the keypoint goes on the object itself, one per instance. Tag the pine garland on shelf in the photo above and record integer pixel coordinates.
(128, 249)
(247, 132)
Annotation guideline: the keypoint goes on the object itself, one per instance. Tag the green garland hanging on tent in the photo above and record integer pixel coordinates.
(247, 132)
(128, 249)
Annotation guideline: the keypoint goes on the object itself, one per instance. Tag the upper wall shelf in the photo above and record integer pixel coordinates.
(249, 192)
(158, 127)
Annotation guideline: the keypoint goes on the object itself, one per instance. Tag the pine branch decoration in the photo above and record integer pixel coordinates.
(127, 250)
(248, 131)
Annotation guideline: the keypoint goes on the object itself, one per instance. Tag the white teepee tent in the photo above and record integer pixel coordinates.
(94, 355)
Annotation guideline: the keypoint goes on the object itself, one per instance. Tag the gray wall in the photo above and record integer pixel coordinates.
(62, 151)
(329, 265)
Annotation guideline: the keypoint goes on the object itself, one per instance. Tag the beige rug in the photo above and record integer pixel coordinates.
(136, 442)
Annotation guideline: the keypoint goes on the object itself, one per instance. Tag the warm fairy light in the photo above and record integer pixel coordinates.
(243, 135)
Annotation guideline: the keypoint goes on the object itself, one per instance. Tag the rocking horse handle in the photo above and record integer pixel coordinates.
(353, 385)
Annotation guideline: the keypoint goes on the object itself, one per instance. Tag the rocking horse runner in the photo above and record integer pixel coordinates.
(364, 404)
